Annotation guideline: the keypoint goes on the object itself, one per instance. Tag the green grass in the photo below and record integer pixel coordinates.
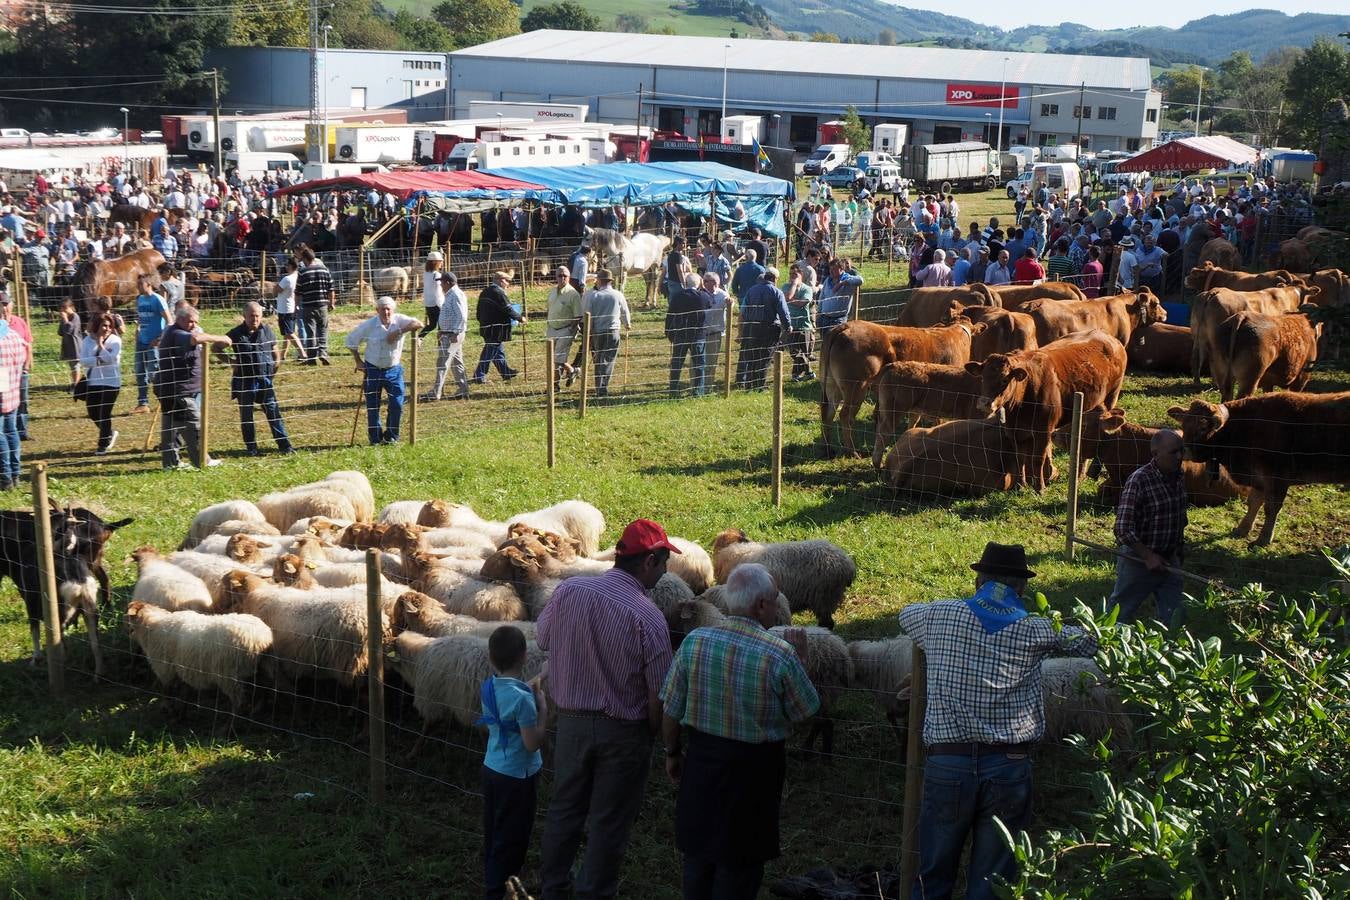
(110, 792)
(659, 14)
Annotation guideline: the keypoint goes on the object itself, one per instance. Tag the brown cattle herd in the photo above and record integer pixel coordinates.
(997, 367)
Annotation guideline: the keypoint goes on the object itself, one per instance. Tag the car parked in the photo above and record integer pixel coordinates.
(843, 176)
(1021, 181)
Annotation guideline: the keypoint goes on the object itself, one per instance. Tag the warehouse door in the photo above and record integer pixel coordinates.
(670, 118)
(358, 98)
(946, 134)
(802, 132)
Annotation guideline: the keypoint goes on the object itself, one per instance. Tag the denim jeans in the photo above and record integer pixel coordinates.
(266, 397)
(492, 355)
(390, 381)
(1134, 582)
(961, 796)
(145, 367)
(9, 446)
(180, 423)
(315, 339)
(678, 352)
(712, 353)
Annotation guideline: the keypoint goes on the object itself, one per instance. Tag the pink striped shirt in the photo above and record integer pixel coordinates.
(608, 645)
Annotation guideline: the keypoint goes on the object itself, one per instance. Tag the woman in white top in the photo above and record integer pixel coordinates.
(291, 324)
(101, 356)
(433, 292)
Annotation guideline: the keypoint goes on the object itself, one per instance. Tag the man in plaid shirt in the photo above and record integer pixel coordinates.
(1150, 529)
(735, 689)
(985, 714)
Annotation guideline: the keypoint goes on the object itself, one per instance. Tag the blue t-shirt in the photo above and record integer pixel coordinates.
(506, 751)
(149, 318)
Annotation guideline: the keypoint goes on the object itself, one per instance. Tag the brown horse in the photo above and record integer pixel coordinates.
(116, 278)
(134, 217)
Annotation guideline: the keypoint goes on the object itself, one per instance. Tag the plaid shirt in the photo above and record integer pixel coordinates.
(1152, 510)
(13, 357)
(986, 688)
(738, 681)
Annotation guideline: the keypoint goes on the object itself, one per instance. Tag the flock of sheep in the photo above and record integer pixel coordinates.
(275, 590)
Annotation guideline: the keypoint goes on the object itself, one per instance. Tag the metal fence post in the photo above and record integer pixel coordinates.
(375, 675)
(585, 363)
(777, 460)
(726, 352)
(204, 436)
(412, 391)
(1075, 464)
(51, 611)
(909, 834)
(551, 436)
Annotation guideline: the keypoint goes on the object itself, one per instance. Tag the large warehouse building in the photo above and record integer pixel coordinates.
(943, 95)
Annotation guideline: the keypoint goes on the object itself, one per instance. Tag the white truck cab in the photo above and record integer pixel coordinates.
(826, 157)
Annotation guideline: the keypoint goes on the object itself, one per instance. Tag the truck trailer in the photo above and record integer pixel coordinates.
(967, 165)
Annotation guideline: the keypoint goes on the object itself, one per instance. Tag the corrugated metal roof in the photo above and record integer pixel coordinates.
(804, 57)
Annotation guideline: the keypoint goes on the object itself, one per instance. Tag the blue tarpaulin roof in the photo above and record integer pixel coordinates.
(647, 184)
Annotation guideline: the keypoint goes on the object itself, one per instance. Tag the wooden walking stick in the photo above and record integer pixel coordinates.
(150, 431)
(360, 404)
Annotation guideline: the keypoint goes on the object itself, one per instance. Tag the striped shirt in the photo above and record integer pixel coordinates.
(986, 688)
(608, 645)
(13, 355)
(738, 681)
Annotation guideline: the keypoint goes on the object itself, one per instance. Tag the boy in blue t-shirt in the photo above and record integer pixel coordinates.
(152, 317)
(513, 712)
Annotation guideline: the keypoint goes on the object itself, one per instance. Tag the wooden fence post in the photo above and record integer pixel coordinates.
(1075, 463)
(551, 411)
(909, 834)
(412, 391)
(726, 352)
(51, 611)
(777, 460)
(585, 363)
(375, 675)
(204, 436)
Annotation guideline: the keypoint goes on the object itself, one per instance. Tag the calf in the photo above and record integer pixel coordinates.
(1293, 255)
(1119, 448)
(929, 306)
(1118, 316)
(1263, 351)
(1221, 253)
(1035, 389)
(1015, 296)
(76, 588)
(1159, 347)
(855, 353)
(968, 456)
(924, 389)
(1270, 443)
(1211, 308)
(1209, 276)
(1004, 332)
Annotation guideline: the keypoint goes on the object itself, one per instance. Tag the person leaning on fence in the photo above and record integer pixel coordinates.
(1151, 532)
(495, 316)
(836, 296)
(609, 649)
(316, 298)
(715, 323)
(610, 317)
(686, 328)
(14, 354)
(255, 356)
(986, 713)
(101, 356)
(514, 713)
(178, 385)
(764, 319)
(801, 301)
(748, 274)
(16, 323)
(734, 692)
(564, 321)
(450, 330)
(381, 366)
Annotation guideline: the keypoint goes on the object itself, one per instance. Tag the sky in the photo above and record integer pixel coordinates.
(1118, 15)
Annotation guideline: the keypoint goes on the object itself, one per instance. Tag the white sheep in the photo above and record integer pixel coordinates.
(211, 568)
(668, 593)
(884, 668)
(464, 594)
(313, 635)
(392, 281)
(356, 486)
(692, 564)
(319, 526)
(283, 508)
(291, 571)
(447, 674)
(243, 526)
(416, 611)
(209, 519)
(202, 651)
(812, 574)
(401, 512)
(458, 515)
(465, 543)
(716, 595)
(165, 585)
(575, 519)
(1079, 701)
(830, 669)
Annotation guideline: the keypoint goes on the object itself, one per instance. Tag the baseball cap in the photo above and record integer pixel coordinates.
(643, 536)
(435, 256)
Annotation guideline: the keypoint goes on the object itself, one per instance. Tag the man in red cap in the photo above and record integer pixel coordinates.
(609, 649)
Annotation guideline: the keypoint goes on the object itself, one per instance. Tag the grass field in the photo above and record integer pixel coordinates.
(110, 792)
(658, 13)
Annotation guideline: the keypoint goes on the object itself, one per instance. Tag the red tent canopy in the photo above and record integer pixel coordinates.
(403, 184)
(1191, 155)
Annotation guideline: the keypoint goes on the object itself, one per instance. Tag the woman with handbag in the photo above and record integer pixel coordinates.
(101, 356)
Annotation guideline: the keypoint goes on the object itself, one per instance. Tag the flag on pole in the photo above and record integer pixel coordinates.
(762, 161)
(700, 148)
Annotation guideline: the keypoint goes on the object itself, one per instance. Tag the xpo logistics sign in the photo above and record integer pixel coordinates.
(981, 95)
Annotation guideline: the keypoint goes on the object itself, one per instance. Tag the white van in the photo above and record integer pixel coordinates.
(1064, 179)
(884, 178)
(256, 165)
(826, 157)
(869, 158)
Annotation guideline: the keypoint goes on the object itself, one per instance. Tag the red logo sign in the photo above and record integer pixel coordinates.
(981, 95)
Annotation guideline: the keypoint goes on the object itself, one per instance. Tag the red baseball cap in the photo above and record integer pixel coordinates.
(643, 536)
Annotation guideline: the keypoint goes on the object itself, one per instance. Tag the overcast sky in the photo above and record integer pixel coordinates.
(1112, 15)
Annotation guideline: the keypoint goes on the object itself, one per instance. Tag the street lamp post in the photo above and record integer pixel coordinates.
(777, 127)
(126, 140)
(1002, 89)
(726, 48)
(323, 117)
(988, 123)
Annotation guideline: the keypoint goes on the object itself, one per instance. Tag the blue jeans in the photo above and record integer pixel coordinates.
(9, 446)
(390, 381)
(678, 352)
(145, 367)
(961, 796)
(266, 397)
(1134, 582)
(604, 350)
(493, 354)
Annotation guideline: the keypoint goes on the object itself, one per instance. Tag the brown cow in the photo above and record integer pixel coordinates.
(1293, 255)
(1334, 284)
(1118, 316)
(116, 278)
(1212, 307)
(968, 456)
(1270, 443)
(135, 217)
(1005, 332)
(931, 306)
(1035, 389)
(855, 352)
(1210, 276)
(1015, 296)
(1119, 448)
(1161, 348)
(1267, 351)
(922, 389)
(1221, 253)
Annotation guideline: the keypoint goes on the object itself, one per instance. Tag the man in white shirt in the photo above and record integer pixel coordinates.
(288, 320)
(998, 272)
(382, 365)
(1127, 274)
(450, 329)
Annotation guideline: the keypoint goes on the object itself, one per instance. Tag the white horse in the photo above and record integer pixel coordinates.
(640, 254)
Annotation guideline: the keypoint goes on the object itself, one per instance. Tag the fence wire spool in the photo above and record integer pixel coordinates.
(51, 601)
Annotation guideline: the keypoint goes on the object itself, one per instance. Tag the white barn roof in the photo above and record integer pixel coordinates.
(804, 57)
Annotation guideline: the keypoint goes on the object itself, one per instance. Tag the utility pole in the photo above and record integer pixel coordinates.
(315, 124)
(639, 123)
(1199, 93)
(1082, 89)
(215, 119)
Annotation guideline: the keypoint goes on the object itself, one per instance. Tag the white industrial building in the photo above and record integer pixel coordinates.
(944, 95)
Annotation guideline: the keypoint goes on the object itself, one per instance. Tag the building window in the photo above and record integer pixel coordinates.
(1082, 112)
(1132, 144)
(1048, 140)
(1049, 110)
(1106, 112)
(1150, 115)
